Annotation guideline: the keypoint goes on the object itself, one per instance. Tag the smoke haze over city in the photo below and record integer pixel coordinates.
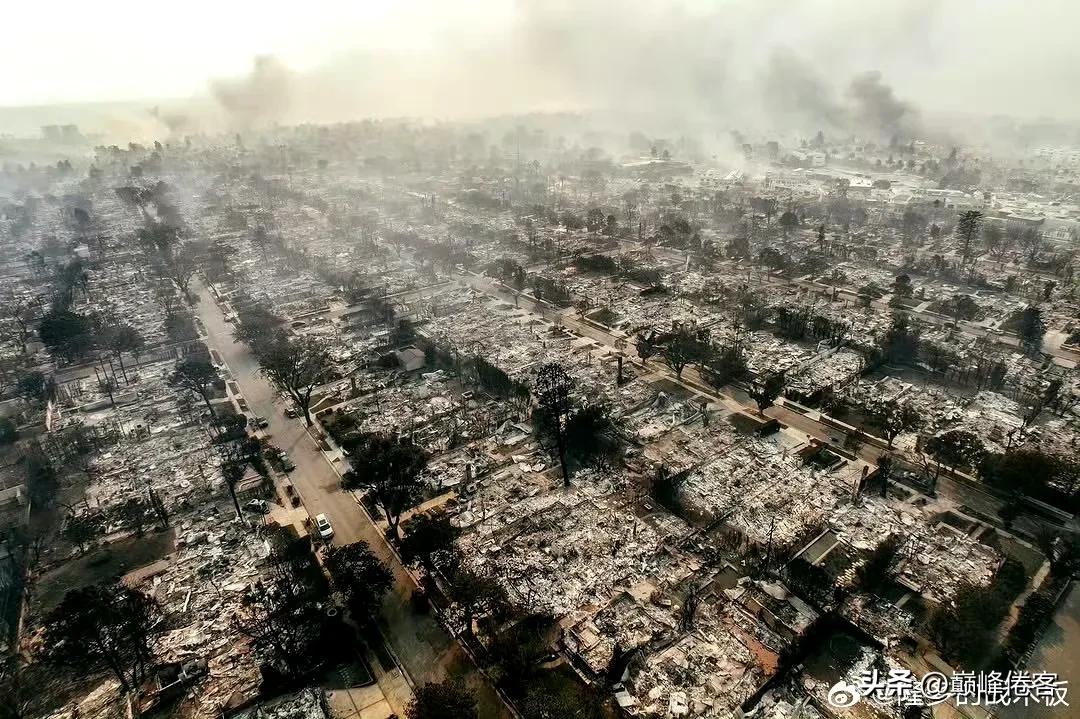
(877, 68)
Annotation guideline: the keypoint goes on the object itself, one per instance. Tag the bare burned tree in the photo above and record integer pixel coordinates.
(179, 267)
(105, 624)
(283, 613)
(297, 367)
(389, 468)
(196, 374)
(553, 388)
(121, 338)
(20, 312)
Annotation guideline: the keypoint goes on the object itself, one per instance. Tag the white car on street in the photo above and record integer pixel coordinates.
(326, 530)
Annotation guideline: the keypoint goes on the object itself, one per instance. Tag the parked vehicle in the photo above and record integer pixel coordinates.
(258, 506)
(325, 529)
(258, 422)
(279, 459)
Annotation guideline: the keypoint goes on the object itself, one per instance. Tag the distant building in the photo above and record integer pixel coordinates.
(809, 158)
(859, 187)
(951, 199)
(1020, 218)
(411, 358)
(1059, 155)
(61, 133)
(654, 167)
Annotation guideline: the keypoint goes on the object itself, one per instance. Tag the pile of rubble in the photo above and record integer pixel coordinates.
(935, 559)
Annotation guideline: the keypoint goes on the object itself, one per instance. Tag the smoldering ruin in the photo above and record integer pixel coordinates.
(543, 360)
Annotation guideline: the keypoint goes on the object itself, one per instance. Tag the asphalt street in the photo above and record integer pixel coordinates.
(424, 649)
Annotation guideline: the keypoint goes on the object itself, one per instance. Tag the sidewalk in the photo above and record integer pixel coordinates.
(359, 703)
(424, 650)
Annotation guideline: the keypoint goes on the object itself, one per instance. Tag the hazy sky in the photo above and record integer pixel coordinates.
(75, 51)
(447, 56)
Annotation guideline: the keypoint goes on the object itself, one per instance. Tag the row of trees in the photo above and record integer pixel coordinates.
(72, 336)
(902, 344)
(622, 267)
(1017, 472)
(998, 239)
(390, 468)
(284, 612)
(718, 364)
(162, 237)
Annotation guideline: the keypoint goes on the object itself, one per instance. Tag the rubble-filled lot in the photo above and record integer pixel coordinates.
(569, 553)
(709, 670)
(438, 293)
(142, 497)
(935, 558)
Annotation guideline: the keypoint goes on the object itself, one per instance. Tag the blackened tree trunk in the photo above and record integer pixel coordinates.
(123, 371)
(235, 501)
(560, 444)
(206, 400)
